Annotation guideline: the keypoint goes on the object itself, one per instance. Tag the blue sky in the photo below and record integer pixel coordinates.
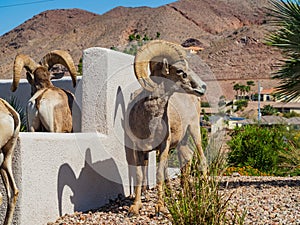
(15, 12)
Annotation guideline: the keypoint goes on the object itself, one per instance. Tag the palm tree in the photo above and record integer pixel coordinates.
(243, 90)
(236, 87)
(285, 15)
(249, 84)
(247, 90)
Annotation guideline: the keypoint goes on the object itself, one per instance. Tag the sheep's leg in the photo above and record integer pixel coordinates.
(166, 174)
(196, 135)
(160, 177)
(1, 199)
(145, 173)
(185, 164)
(137, 204)
(1, 161)
(11, 200)
(185, 155)
(9, 215)
(9, 182)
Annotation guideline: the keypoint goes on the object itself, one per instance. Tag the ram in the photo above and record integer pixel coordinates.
(164, 114)
(9, 131)
(50, 108)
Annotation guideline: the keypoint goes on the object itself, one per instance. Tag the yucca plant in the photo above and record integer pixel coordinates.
(289, 161)
(14, 102)
(285, 16)
(201, 202)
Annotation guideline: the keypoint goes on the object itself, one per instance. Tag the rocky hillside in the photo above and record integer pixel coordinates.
(232, 32)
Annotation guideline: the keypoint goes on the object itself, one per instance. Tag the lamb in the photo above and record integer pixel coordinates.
(50, 108)
(164, 114)
(9, 131)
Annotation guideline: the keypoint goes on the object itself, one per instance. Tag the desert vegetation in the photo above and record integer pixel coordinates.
(262, 150)
(201, 202)
(254, 150)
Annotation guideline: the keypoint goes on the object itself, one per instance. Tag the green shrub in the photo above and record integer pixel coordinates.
(201, 202)
(240, 104)
(244, 171)
(291, 114)
(204, 136)
(205, 104)
(268, 110)
(131, 37)
(259, 147)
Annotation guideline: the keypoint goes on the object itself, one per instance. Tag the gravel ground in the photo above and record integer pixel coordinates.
(266, 200)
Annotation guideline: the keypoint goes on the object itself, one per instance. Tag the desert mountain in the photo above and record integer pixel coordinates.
(232, 32)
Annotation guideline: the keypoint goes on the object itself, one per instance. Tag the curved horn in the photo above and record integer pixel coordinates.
(20, 62)
(155, 50)
(63, 58)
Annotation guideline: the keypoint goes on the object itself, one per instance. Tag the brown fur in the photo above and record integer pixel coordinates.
(50, 108)
(161, 120)
(61, 103)
(8, 139)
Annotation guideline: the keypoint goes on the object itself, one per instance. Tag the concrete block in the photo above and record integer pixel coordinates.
(63, 173)
(108, 82)
(23, 93)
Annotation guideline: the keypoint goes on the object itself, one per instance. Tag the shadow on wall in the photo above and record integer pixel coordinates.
(90, 189)
(120, 102)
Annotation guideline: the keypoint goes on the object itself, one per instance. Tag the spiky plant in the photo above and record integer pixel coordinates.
(290, 161)
(14, 102)
(200, 201)
(285, 16)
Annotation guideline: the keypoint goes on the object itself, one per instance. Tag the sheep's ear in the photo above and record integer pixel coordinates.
(165, 68)
(55, 76)
(29, 77)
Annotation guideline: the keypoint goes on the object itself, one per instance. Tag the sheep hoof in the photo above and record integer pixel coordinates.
(1, 199)
(134, 209)
(160, 209)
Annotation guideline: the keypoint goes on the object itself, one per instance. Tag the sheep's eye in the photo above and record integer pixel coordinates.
(181, 73)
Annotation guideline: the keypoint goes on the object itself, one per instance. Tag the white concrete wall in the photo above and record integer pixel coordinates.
(22, 94)
(63, 173)
(69, 172)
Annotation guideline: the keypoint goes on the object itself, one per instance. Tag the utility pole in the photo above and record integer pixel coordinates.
(259, 113)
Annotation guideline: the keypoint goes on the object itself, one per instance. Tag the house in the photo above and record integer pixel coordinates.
(266, 95)
(286, 107)
(194, 49)
(271, 120)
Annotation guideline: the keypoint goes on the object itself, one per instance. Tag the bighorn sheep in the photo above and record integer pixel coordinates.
(49, 108)
(9, 131)
(164, 114)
